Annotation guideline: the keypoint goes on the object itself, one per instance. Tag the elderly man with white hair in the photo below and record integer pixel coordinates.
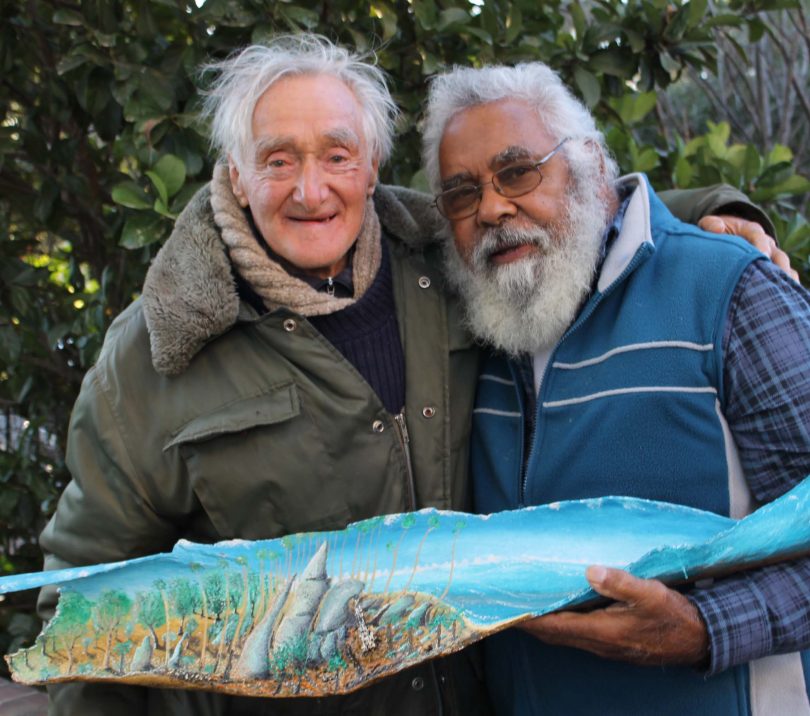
(633, 355)
(292, 365)
(260, 387)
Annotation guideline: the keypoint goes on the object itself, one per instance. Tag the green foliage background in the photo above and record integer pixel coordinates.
(100, 150)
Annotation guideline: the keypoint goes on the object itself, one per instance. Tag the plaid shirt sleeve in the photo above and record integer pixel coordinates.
(766, 350)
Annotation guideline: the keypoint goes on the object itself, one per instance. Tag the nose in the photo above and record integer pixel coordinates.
(311, 188)
(494, 207)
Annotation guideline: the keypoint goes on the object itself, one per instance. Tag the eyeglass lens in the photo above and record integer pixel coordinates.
(511, 181)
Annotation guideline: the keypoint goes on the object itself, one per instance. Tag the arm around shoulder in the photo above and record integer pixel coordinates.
(691, 205)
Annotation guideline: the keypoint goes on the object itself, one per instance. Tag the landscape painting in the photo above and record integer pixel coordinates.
(325, 613)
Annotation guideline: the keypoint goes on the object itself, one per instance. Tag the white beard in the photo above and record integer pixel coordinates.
(527, 305)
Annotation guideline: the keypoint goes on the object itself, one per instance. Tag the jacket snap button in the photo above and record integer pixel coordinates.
(290, 325)
(428, 411)
(378, 426)
(418, 683)
(424, 282)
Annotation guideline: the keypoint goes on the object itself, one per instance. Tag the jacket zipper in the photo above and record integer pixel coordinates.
(405, 441)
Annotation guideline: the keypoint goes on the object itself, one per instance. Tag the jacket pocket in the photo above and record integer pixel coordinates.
(259, 467)
(266, 409)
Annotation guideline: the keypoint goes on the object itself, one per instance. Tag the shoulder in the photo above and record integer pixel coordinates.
(189, 295)
(692, 241)
(766, 299)
(124, 371)
(409, 216)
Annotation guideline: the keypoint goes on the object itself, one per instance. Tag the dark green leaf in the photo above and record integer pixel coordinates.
(756, 29)
(70, 62)
(172, 171)
(131, 195)
(578, 18)
(696, 12)
(160, 186)
(514, 24)
(452, 16)
(635, 39)
(425, 11)
(613, 62)
(388, 17)
(588, 86)
(141, 229)
(66, 16)
(302, 17)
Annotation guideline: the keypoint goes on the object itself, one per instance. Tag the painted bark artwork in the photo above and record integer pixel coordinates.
(325, 613)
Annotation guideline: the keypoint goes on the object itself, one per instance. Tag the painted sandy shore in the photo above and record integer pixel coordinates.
(324, 613)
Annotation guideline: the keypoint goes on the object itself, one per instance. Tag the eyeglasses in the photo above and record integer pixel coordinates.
(512, 181)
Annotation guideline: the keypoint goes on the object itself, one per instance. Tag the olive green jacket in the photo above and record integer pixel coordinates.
(206, 421)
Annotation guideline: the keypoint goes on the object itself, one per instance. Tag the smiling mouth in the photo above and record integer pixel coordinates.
(510, 253)
(312, 219)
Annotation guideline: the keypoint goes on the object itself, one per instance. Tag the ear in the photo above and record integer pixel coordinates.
(597, 151)
(236, 183)
(373, 176)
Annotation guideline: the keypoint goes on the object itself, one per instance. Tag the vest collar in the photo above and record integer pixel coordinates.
(635, 232)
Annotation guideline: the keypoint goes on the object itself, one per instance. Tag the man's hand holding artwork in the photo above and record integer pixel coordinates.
(647, 624)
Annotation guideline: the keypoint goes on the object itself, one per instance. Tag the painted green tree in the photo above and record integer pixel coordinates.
(184, 599)
(405, 524)
(74, 616)
(121, 650)
(433, 523)
(457, 528)
(108, 613)
(162, 589)
(197, 569)
(150, 613)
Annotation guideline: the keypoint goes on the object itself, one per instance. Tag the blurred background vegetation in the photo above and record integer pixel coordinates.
(100, 150)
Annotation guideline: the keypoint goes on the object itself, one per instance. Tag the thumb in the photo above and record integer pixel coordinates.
(616, 584)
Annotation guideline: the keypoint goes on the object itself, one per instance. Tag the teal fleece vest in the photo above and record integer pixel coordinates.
(629, 405)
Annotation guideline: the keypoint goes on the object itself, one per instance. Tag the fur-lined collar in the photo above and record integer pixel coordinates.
(189, 295)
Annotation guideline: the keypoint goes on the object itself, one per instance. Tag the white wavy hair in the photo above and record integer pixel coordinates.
(241, 80)
(558, 111)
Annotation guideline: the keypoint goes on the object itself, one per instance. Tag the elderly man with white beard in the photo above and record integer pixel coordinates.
(632, 355)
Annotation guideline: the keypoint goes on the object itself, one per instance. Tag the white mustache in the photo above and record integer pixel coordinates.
(506, 237)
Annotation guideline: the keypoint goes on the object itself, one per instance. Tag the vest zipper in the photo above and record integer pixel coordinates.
(590, 307)
(405, 441)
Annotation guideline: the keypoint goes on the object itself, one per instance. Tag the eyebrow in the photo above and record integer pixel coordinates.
(268, 145)
(342, 136)
(457, 180)
(509, 155)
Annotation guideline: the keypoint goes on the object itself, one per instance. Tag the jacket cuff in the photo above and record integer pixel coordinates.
(736, 616)
(691, 205)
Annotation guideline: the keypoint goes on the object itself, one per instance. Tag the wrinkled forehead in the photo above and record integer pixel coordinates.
(481, 139)
(305, 108)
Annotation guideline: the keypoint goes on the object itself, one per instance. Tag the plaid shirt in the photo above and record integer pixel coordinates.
(766, 350)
